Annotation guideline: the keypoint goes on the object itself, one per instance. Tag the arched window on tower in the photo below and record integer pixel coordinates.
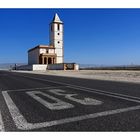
(58, 27)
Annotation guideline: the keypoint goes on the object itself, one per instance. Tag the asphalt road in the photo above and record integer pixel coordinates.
(31, 102)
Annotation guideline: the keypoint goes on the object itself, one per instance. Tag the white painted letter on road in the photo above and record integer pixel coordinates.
(58, 105)
(85, 101)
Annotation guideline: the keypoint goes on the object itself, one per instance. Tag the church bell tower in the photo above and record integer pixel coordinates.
(56, 38)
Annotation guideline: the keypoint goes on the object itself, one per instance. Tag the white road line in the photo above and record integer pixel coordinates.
(16, 115)
(34, 88)
(1, 123)
(111, 94)
(108, 92)
(22, 123)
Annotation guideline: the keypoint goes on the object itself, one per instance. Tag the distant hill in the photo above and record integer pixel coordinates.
(6, 66)
(88, 65)
(103, 67)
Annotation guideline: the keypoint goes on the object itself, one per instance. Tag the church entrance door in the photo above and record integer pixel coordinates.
(40, 59)
(49, 60)
(45, 60)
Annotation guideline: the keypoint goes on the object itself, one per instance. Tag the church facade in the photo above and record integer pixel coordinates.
(52, 53)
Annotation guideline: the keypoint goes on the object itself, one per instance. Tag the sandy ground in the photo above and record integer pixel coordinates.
(113, 75)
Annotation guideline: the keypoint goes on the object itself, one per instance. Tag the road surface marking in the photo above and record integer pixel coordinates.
(21, 122)
(80, 87)
(58, 105)
(85, 101)
(33, 88)
(1, 123)
(110, 95)
(115, 95)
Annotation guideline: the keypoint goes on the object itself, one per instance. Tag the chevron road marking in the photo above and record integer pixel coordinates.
(21, 122)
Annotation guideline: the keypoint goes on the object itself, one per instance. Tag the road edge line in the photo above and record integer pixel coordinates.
(2, 128)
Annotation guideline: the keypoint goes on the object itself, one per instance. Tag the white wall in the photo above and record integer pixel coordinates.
(59, 60)
(58, 35)
(42, 51)
(33, 57)
(33, 67)
(51, 51)
(58, 45)
(76, 66)
(59, 52)
(40, 67)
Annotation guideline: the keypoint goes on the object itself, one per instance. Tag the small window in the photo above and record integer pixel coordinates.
(47, 51)
(58, 42)
(58, 33)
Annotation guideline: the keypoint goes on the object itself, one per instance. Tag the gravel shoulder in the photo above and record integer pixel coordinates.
(111, 75)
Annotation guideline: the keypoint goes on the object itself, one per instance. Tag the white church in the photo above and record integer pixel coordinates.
(43, 57)
(53, 53)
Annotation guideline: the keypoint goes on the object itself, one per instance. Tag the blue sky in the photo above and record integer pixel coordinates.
(91, 36)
